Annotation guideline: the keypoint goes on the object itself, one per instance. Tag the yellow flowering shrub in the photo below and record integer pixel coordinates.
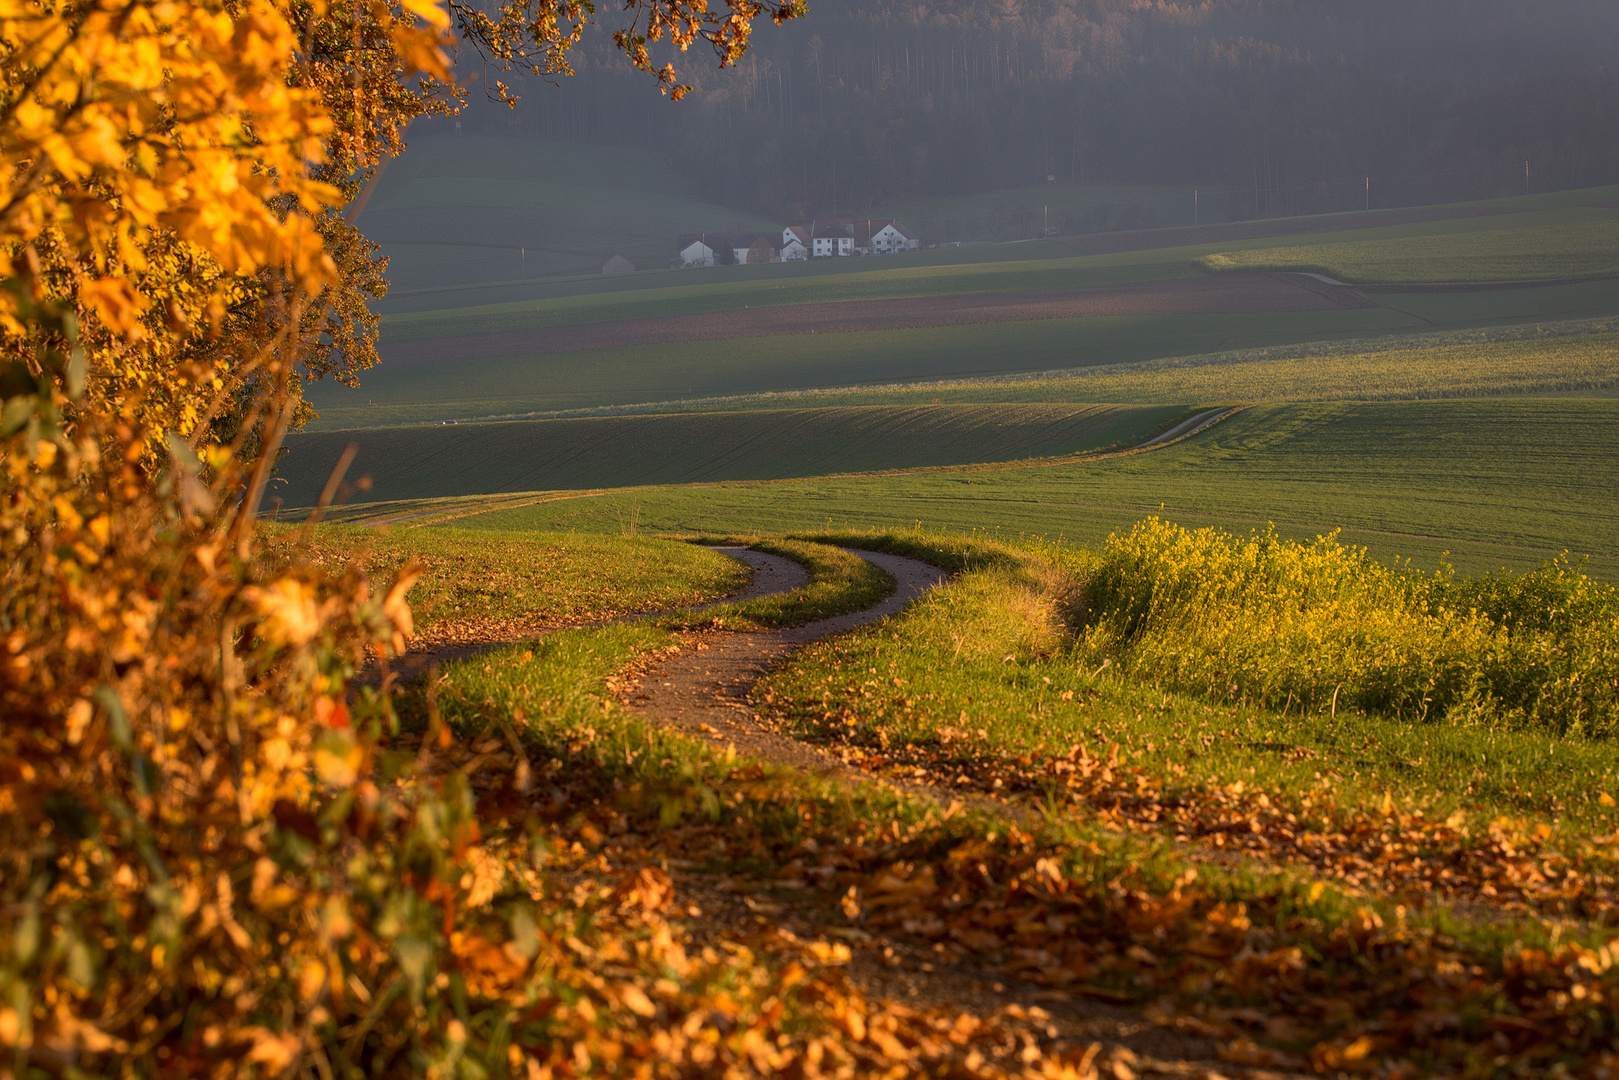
(1322, 627)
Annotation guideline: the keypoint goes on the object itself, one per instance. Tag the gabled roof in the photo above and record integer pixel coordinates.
(800, 233)
(688, 239)
(866, 228)
(837, 231)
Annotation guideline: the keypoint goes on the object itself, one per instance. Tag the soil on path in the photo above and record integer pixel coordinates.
(1224, 294)
(703, 689)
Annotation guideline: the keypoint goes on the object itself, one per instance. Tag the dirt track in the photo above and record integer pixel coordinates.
(703, 690)
(1211, 295)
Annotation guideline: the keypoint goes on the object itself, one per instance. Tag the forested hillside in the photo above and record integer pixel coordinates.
(1271, 106)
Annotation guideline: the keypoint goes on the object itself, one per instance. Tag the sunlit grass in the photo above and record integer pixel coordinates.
(1561, 244)
(995, 663)
(535, 577)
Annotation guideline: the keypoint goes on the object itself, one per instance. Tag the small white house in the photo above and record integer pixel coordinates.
(694, 251)
(888, 237)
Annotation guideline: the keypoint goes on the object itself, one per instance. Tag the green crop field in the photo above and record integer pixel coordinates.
(1572, 243)
(1579, 358)
(1494, 483)
(466, 459)
(474, 389)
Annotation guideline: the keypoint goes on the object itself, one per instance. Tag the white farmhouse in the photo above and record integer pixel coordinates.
(832, 239)
(695, 251)
(884, 236)
(795, 241)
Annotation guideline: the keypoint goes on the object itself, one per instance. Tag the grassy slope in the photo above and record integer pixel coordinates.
(1567, 243)
(532, 578)
(975, 657)
(522, 385)
(1425, 366)
(1494, 483)
(1151, 924)
(407, 463)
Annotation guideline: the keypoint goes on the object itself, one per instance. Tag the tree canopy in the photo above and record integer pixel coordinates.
(205, 868)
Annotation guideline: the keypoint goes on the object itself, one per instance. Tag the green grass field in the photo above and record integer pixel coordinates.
(481, 389)
(411, 463)
(1138, 359)
(1567, 359)
(1572, 243)
(1484, 484)
(529, 579)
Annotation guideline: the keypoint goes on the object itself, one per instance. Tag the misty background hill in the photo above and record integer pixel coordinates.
(1269, 106)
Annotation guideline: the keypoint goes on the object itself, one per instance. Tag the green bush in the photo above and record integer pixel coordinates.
(1322, 627)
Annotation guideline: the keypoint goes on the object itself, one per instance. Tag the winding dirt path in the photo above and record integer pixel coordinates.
(702, 689)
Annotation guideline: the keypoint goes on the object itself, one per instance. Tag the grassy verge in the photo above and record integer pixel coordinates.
(986, 687)
(531, 578)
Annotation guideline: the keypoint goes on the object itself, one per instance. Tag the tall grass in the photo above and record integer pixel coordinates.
(1321, 627)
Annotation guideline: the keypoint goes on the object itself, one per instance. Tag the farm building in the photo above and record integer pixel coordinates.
(695, 251)
(795, 241)
(617, 264)
(832, 239)
(883, 236)
(828, 239)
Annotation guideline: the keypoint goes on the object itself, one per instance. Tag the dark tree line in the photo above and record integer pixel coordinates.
(1278, 106)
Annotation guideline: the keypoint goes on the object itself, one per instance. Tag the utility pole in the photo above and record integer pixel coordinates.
(1526, 176)
(522, 263)
(1368, 193)
(1046, 231)
(1194, 206)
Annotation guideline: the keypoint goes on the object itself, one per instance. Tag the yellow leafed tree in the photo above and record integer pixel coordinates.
(201, 872)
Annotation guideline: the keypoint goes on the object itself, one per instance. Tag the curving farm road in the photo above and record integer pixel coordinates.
(702, 690)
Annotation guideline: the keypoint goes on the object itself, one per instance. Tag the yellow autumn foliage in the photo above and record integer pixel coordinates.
(1322, 627)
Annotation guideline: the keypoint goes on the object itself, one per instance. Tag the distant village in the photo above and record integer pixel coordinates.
(798, 243)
